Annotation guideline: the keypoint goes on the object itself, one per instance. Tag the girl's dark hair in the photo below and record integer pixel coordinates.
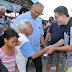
(10, 33)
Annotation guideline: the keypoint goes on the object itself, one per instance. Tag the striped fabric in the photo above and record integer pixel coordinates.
(8, 61)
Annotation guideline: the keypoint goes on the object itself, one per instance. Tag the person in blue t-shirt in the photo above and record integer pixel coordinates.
(25, 50)
(37, 35)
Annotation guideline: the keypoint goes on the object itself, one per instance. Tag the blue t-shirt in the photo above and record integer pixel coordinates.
(25, 48)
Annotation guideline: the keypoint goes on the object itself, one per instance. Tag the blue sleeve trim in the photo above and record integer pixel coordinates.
(27, 50)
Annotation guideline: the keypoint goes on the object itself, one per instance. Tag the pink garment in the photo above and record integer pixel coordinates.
(8, 61)
(48, 29)
(47, 26)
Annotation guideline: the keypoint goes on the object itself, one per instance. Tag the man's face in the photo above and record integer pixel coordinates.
(29, 29)
(59, 19)
(2, 12)
(35, 12)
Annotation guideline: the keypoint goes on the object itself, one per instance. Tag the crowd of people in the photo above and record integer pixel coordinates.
(25, 33)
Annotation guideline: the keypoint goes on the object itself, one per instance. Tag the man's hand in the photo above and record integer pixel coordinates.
(51, 49)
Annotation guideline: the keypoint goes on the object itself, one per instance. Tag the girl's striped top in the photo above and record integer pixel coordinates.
(8, 61)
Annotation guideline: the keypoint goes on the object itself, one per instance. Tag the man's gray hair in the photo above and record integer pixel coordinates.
(2, 8)
(23, 24)
(35, 4)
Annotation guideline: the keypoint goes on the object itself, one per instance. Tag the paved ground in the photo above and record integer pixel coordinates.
(44, 61)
